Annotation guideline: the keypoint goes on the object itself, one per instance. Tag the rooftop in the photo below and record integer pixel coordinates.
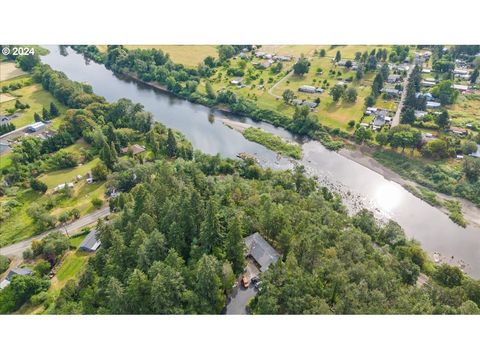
(261, 251)
(90, 243)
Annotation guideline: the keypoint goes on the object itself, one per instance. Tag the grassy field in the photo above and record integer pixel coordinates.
(5, 161)
(466, 110)
(58, 177)
(71, 267)
(36, 97)
(188, 55)
(19, 225)
(9, 70)
(266, 88)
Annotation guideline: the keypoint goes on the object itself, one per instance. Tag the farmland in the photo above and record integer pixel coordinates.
(188, 55)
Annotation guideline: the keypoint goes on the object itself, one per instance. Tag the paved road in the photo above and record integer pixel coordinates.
(396, 117)
(17, 249)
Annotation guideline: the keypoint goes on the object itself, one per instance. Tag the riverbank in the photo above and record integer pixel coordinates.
(361, 155)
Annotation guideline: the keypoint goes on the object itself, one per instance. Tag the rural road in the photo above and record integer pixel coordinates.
(396, 117)
(17, 249)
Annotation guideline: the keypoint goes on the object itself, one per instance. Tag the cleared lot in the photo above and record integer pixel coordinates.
(8, 70)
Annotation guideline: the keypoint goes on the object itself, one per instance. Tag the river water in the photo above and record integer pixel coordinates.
(359, 186)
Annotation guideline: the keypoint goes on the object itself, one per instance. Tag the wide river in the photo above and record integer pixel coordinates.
(358, 185)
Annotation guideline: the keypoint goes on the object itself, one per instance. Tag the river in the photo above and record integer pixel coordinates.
(359, 186)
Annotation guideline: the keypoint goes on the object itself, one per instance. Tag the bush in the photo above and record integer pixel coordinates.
(42, 268)
(38, 185)
(97, 203)
(4, 263)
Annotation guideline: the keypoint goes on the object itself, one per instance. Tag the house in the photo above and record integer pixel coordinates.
(260, 54)
(381, 119)
(426, 71)
(433, 104)
(260, 251)
(392, 79)
(236, 81)
(265, 64)
(90, 243)
(391, 92)
(458, 130)
(371, 110)
(461, 88)
(307, 89)
(419, 114)
(136, 149)
(19, 272)
(310, 104)
(426, 95)
(243, 55)
(460, 72)
(297, 102)
(428, 83)
(282, 57)
(36, 126)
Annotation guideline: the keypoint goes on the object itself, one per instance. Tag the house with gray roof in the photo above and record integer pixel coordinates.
(19, 272)
(260, 251)
(90, 243)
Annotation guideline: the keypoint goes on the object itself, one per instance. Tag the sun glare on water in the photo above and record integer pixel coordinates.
(388, 197)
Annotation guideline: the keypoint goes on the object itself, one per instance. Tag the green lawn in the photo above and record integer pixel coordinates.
(71, 266)
(58, 177)
(76, 240)
(36, 97)
(5, 160)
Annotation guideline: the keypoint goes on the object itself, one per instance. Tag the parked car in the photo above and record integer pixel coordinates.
(245, 281)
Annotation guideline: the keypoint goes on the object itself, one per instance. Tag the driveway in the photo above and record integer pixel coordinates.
(239, 300)
(241, 296)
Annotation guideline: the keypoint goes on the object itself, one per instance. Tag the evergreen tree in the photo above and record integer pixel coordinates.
(171, 144)
(235, 246)
(45, 114)
(208, 285)
(54, 110)
(210, 232)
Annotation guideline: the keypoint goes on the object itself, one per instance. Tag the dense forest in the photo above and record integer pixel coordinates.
(176, 247)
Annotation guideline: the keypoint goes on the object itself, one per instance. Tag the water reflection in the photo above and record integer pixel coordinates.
(388, 197)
